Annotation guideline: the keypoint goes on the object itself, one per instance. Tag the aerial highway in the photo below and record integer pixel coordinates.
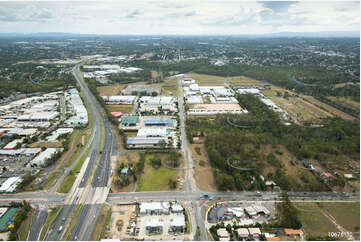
(91, 189)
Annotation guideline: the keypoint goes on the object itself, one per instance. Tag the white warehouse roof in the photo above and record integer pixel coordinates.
(40, 159)
(10, 184)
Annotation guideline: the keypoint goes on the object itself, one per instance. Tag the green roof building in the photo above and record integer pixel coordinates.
(130, 120)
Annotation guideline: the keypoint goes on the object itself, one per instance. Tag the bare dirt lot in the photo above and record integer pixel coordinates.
(203, 171)
(120, 220)
(111, 90)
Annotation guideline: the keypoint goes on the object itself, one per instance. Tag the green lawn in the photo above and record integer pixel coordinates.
(120, 108)
(347, 214)
(155, 179)
(53, 177)
(313, 221)
(68, 183)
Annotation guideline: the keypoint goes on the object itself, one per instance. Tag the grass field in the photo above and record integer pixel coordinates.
(111, 90)
(52, 178)
(155, 179)
(56, 144)
(347, 214)
(120, 108)
(303, 107)
(313, 221)
(48, 221)
(203, 171)
(333, 111)
(347, 102)
(67, 184)
(204, 80)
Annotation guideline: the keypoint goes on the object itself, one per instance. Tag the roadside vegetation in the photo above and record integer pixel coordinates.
(330, 145)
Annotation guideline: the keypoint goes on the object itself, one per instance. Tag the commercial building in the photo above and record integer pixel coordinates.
(254, 232)
(223, 234)
(243, 233)
(154, 225)
(154, 208)
(10, 184)
(177, 224)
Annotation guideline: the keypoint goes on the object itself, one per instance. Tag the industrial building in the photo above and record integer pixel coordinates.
(130, 120)
(134, 142)
(54, 136)
(140, 89)
(188, 81)
(153, 132)
(159, 122)
(12, 145)
(20, 152)
(76, 106)
(194, 99)
(41, 159)
(10, 184)
(158, 104)
(119, 99)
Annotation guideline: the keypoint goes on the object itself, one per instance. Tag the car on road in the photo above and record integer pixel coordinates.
(205, 196)
(60, 229)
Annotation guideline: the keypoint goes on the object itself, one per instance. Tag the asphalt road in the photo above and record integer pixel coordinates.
(88, 217)
(64, 215)
(40, 217)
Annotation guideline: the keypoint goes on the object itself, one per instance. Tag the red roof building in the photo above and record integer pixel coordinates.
(117, 114)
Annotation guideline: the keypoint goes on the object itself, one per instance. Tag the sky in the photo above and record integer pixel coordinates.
(183, 17)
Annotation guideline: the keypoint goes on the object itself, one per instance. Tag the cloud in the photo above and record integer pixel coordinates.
(134, 14)
(30, 13)
(177, 16)
(278, 6)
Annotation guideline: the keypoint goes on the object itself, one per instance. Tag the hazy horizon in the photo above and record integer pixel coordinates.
(177, 17)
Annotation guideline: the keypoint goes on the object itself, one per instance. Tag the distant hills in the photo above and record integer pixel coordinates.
(323, 34)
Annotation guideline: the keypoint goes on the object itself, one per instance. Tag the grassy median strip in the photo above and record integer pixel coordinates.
(102, 224)
(48, 221)
(25, 226)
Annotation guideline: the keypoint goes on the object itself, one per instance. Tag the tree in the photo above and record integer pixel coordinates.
(174, 157)
(156, 162)
(172, 183)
